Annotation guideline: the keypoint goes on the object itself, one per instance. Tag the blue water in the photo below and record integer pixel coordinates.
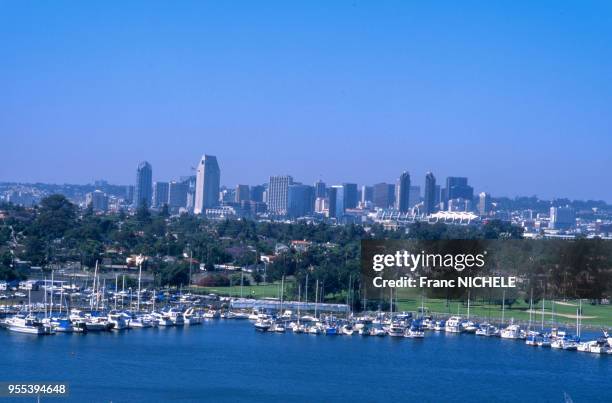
(228, 361)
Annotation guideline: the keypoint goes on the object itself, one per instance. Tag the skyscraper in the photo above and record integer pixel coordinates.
(277, 194)
(366, 193)
(98, 200)
(243, 193)
(256, 193)
(332, 193)
(402, 189)
(208, 178)
(300, 200)
(177, 195)
(484, 204)
(160, 194)
(129, 194)
(351, 195)
(430, 194)
(144, 184)
(320, 189)
(383, 195)
(458, 188)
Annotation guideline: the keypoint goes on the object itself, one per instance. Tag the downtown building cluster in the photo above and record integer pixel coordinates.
(394, 204)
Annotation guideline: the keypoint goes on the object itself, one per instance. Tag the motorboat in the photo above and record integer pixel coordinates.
(377, 331)
(453, 325)
(487, 330)
(469, 326)
(262, 325)
(63, 325)
(141, 321)
(511, 332)
(27, 324)
(347, 330)
(565, 343)
(439, 326)
(162, 319)
(175, 316)
(396, 330)
(211, 314)
(415, 331)
(119, 320)
(191, 317)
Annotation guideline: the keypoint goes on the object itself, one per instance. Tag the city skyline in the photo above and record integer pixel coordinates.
(516, 101)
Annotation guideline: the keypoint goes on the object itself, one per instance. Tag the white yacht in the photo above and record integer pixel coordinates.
(191, 317)
(453, 325)
(141, 321)
(27, 324)
(511, 332)
(162, 319)
(175, 316)
(118, 320)
(347, 330)
(487, 330)
(211, 314)
(414, 332)
(396, 330)
(564, 344)
(262, 325)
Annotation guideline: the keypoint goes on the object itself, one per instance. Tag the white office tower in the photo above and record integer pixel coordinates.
(207, 184)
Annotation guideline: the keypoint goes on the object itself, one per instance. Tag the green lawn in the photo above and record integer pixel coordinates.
(253, 291)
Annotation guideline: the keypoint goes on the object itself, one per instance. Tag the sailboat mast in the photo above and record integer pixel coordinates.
(139, 277)
(316, 297)
(51, 296)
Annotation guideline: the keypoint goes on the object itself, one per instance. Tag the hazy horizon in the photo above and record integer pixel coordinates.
(513, 96)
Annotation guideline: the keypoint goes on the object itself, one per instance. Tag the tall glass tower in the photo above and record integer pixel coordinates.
(144, 185)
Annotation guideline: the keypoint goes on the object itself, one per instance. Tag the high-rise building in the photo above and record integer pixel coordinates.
(562, 217)
(129, 194)
(243, 193)
(320, 189)
(346, 198)
(367, 193)
(321, 205)
(177, 195)
(429, 203)
(208, 178)
(144, 184)
(332, 194)
(484, 204)
(278, 193)
(98, 200)
(160, 194)
(256, 193)
(351, 195)
(383, 195)
(458, 188)
(300, 200)
(402, 193)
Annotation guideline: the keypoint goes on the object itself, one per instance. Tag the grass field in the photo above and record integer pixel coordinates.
(564, 311)
(253, 291)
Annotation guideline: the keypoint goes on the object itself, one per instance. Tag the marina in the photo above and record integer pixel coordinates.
(106, 313)
(231, 361)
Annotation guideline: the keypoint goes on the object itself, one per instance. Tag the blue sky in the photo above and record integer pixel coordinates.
(514, 95)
